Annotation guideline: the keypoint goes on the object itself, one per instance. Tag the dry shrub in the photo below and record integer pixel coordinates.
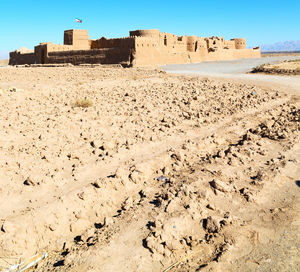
(295, 60)
(83, 103)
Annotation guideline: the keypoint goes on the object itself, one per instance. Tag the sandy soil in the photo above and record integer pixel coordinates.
(158, 173)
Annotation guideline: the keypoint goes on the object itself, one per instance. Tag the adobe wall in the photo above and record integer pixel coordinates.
(78, 38)
(41, 51)
(18, 58)
(149, 54)
(232, 54)
(172, 42)
(101, 56)
(214, 42)
(240, 43)
(229, 44)
(142, 48)
(123, 43)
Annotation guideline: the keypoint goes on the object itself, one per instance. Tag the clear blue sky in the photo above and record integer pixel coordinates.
(29, 22)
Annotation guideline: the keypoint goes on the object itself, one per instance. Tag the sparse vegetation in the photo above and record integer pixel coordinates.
(83, 103)
(258, 68)
(287, 67)
(296, 60)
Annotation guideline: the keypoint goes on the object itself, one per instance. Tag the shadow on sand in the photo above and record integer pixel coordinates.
(298, 183)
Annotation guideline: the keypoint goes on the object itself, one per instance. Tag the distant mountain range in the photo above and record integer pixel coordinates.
(281, 46)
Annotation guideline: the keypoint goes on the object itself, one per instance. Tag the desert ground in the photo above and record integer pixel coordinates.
(113, 169)
(3, 62)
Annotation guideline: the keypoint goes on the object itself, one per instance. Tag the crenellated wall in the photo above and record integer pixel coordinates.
(122, 43)
(141, 48)
(153, 33)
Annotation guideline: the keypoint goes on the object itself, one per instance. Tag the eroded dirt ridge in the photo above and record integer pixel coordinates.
(161, 173)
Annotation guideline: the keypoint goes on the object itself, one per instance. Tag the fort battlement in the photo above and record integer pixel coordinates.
(146, 47)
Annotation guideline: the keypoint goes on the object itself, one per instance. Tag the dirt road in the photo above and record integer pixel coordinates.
(238, 70)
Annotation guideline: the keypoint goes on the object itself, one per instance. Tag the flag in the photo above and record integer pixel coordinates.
(78, 20)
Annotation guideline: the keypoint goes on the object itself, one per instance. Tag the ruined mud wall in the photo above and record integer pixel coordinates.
(122, 43)
(229, 44)
(215, 42)
(101, 56)
(172, 42)
(41, 51)
(17, 58)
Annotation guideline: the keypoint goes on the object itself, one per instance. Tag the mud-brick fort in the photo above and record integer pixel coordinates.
(141, 48)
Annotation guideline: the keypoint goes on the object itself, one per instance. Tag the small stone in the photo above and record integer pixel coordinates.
(52, 227)
(173, 206)
(136, 177)
(210, 225)
(81, 195)
(79, 226)
(8, 227)
(109, 146)
(154, 245)
(210, 206)
(28, 182)
(177, 156)
(128, 203)
(220, 186)
(88, 233)
(108, 221)
(166, 170)
(173, 244)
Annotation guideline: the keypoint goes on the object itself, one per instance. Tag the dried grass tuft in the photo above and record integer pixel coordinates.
(83, 103)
